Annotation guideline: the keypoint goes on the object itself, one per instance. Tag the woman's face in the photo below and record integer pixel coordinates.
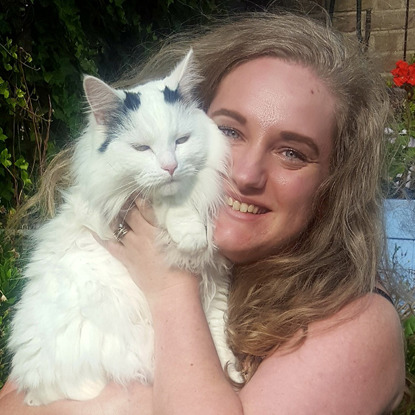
(279, 118)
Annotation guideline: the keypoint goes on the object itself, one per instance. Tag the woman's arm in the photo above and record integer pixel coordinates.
(188, 375)
(352, 363)
(135, 399)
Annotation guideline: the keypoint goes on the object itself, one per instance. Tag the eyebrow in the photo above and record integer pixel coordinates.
(232, 114)
(299, 138)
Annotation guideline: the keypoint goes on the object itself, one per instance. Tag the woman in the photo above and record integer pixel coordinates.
(305, 116)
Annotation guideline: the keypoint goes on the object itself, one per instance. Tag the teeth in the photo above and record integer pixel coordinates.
(242, 207)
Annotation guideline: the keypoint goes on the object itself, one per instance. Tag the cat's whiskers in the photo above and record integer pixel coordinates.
(130, 206)
(125, 191)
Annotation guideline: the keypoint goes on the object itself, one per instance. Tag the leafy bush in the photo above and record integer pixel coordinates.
(10, 285)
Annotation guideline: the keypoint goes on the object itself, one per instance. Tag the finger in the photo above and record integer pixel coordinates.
(135, 220)
(98, 239)
(140, 217)
(121, 230)
(9, 386)
(146, 209)
(113, 247)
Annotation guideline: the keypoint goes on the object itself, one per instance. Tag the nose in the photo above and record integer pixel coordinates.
(248, 170)
(168, 162)
(171, 167)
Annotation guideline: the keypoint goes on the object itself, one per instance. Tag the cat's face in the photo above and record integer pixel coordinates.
(153, 144)
(152, 139)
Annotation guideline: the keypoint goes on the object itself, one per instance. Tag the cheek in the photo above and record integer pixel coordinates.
(192, 153)
(296, 191)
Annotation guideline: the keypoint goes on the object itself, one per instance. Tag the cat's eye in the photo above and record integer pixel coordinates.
(140, 147)
(183, 139)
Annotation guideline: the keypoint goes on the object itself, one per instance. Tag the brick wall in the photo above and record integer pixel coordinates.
(387, 33)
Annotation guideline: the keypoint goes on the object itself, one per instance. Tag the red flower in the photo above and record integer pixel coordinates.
(411, 76)
(404, 73)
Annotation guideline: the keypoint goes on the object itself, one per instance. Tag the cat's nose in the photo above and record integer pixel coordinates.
(170, 168)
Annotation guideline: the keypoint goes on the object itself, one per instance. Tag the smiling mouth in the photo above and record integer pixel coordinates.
(244, 207)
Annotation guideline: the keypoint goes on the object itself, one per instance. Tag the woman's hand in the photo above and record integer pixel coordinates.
(141, 255)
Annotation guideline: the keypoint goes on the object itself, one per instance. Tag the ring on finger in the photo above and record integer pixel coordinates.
(120, 232)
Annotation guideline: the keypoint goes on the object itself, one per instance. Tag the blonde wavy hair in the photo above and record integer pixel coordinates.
(336, 259)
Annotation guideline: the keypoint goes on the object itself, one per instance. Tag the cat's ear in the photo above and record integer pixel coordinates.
(102, 99)
(184, 76)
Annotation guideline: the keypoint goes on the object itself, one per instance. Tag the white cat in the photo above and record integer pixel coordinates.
(82, 321)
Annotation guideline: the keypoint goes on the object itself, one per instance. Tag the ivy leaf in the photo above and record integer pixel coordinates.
(5, 157)
(21, 163)
(409, 326)
(25, 178)
(5, 92)
(3, 137)
(47, 76)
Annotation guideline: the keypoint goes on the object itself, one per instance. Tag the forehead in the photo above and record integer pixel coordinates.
(281, 95)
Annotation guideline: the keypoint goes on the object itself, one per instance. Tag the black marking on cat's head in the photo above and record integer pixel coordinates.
(171, 96)
(114, 121)
(105, 144)
(119, 117)
(132, 100)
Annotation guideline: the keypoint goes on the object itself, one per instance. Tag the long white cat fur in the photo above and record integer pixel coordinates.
(81, 321)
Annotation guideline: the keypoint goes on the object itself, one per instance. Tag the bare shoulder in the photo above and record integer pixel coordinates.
(352, 363)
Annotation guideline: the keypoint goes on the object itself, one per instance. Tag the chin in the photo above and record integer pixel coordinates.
(169, 189)
(235, 246)
(240, 250)
(238, 256)
(244, 258)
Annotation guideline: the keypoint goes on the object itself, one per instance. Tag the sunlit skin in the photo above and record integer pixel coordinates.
(279, 118)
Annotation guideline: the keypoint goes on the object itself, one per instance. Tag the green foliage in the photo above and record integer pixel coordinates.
(16, 112)
(10, 286)
(407, 406)
(409, 330)
(401, 138)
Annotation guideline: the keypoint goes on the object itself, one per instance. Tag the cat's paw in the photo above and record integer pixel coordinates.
(192, 242)
(186, 230)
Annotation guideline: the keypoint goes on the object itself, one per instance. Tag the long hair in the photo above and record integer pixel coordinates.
(335, 260)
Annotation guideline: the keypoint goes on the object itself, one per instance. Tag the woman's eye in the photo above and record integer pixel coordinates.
(229, 132)
(140, 147)
(183, 139)
(293, 155)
